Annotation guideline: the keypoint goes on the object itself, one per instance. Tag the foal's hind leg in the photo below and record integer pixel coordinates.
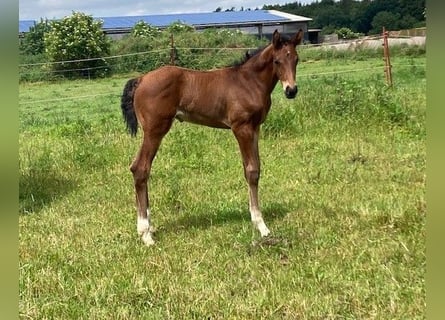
(141, 168)
(247, 137)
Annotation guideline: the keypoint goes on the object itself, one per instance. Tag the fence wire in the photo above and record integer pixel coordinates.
(113, 93)
(201, 58)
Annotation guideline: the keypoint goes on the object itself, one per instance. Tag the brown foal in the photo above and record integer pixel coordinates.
(236, 98)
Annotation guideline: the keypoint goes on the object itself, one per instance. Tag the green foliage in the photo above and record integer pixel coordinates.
(227, 37)
(385, 19)
(356, 15)
(77, 37)
(31, 67)
(346, 33)
(156, 51)
(179, 27)
(140, 54)
(209, 42)
(408, 21)
(33, 41)
(144, 30)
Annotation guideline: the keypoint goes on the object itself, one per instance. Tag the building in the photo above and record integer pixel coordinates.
(259, 22)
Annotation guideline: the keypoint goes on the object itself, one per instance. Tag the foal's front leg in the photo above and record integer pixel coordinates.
(247, 136)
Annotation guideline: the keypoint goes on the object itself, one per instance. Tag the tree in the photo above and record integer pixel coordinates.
(357, 15)
(359, 22)
(78, 37)
(407, 22)
(33, 42)
(385, 19)
(414, 8)
(331, 18)
(373, 8)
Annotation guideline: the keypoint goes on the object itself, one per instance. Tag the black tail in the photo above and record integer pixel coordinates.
(128, 107)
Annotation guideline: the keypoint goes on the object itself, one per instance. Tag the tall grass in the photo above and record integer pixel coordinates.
(342, 190)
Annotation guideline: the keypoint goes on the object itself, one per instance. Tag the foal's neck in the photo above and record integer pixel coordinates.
(262, 66)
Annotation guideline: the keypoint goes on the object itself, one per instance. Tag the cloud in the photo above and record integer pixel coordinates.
(34, 10)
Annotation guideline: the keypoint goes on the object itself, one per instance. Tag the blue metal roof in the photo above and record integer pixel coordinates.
(194, 19)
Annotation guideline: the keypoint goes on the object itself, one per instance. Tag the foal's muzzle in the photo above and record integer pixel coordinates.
(291, 92)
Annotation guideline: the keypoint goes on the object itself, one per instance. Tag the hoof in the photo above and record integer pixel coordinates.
(264, 231)
(147, 239)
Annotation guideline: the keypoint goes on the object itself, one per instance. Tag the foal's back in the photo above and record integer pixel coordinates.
(202, 97)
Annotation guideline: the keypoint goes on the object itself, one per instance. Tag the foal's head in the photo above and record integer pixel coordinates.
(285, 59)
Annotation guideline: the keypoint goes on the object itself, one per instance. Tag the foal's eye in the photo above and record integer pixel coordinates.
(276, 61)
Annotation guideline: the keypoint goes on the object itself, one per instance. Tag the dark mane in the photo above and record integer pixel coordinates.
(284, 39)
(247, 57)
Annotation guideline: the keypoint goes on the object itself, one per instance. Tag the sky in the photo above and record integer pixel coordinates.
(55, 9)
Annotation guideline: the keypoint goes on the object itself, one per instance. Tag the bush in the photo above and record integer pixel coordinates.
(179, 27)
(140, 54)
(33, 42)
(346, 33)
(74, 38)
(144, 30)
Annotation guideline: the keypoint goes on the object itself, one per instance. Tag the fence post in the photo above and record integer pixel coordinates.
(172, 50)
(388, 73)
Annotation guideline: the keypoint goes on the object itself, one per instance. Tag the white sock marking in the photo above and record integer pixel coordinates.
(258, 221)
(143, 225)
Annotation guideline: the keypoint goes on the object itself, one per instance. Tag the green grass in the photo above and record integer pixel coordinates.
(342, 190)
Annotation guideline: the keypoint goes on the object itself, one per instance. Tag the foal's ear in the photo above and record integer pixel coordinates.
(296, 39)
(276, 39)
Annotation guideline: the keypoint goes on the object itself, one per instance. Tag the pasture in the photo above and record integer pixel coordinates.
(342, 189)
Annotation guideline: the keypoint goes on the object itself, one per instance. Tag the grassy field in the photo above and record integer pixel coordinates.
(342, 190)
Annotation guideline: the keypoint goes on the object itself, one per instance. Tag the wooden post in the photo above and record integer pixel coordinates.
(172, 51)
(388, 73)
(260, 31)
